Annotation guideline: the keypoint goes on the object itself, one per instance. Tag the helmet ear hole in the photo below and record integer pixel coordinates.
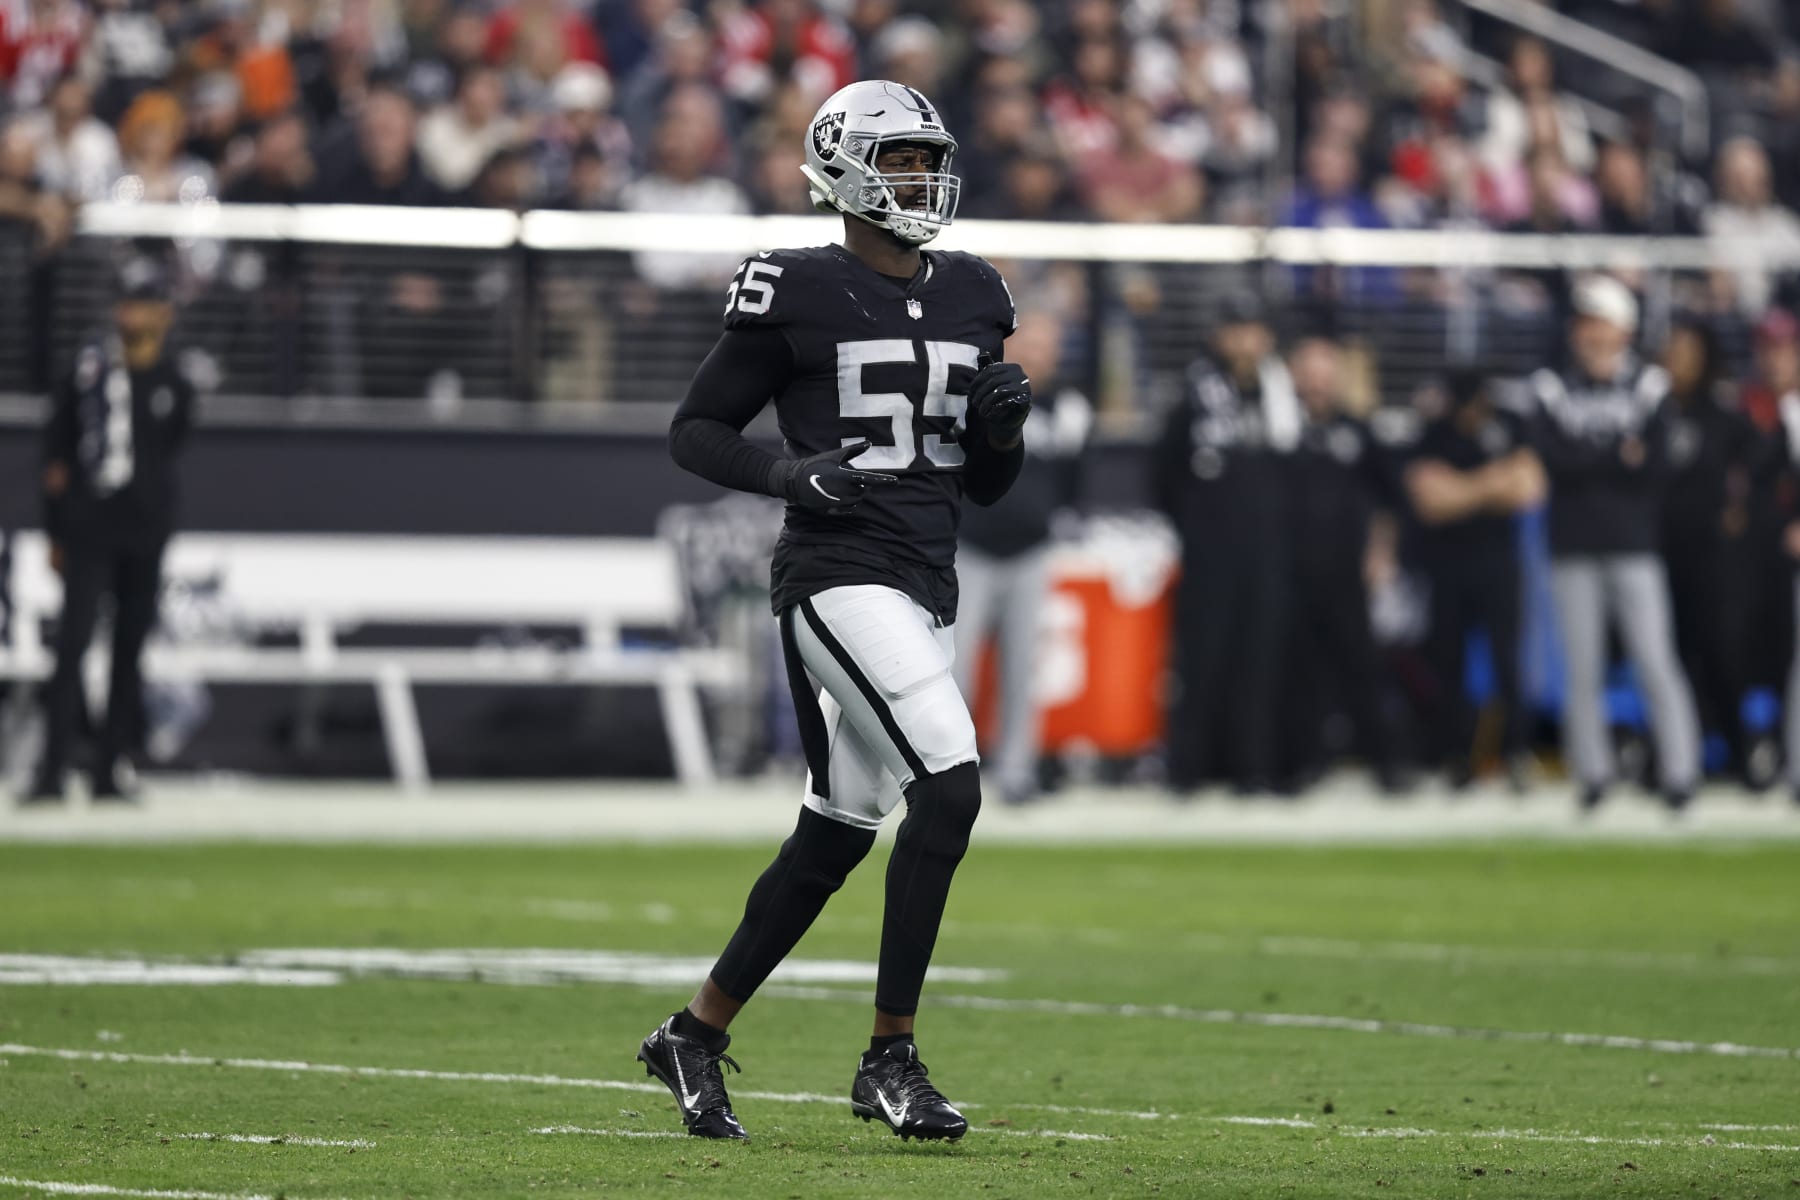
(835, 172)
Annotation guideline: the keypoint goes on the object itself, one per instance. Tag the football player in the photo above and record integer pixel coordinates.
(882, 361)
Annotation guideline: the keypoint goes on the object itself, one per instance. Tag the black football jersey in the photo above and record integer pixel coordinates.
(889, 362)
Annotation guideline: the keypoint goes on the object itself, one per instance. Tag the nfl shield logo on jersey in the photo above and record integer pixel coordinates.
(915, 310)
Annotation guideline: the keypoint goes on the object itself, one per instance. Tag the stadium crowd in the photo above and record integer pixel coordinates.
(1123, 110)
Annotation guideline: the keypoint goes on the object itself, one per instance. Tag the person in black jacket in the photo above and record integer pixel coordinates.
(117, 426)
(1003, 556)
(1222, 471)
(1472, 473)
(1342, 481)
(1602, 431)
(1714, 455)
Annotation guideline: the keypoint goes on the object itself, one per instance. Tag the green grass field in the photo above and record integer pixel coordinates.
(1338, 1022)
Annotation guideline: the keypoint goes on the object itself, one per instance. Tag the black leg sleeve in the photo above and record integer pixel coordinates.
(812, 864)
(940, 813)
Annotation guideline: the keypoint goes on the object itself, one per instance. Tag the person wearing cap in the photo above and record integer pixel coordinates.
(1221, 472)
(117, 425)
(1470, 475)
(1601, 429)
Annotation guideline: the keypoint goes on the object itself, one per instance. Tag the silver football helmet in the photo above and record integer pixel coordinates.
(848, 133)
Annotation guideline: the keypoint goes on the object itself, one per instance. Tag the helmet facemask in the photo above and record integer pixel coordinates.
(849, 182)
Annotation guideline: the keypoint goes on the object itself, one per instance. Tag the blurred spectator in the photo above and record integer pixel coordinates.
(1627, 205)
(1530, 80)
(683, 57)
(520, 27)
(379, 166)
(455, 48)
(910, 51)
(1713, 453)
(686, 177)
(77, 154)
(760, 41)
(582, 129)
(1081, 105)
(508, 179)
(776, 184)
(281, 169)
(1330, 198)
(129, 52)
(455, 140)
(1747, 215)
(1132, 180)
(628, 29)
(153, 168)
(1557, 200)
(47, 215)
(40, 42)
(215, 132)
(1006, 118)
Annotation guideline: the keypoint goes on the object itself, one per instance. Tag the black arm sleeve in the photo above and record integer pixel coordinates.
(988, 473)
(745, 368)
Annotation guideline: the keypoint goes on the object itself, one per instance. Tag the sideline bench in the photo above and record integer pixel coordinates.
(318, 588)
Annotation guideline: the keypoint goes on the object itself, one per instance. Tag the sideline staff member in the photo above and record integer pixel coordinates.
(118, 421)
(1602, 434)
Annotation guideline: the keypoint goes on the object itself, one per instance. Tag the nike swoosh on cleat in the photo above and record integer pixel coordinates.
(687, 1101)
(898, 1118)
(814, 480)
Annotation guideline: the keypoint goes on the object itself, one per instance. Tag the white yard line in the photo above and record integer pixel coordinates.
(1724, 1128)
(261, 1064)
(60, 1188)
(1537, 1135)
(1067, 1135)
(1226, 1016)
(272, 1139)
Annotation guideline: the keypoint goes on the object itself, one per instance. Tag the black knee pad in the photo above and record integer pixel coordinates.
(941, 811)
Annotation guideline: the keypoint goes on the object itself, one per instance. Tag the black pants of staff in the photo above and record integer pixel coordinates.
(1705, 585)
(1475, 592)
(1231, 624)
(1333, 655)
(132, 576)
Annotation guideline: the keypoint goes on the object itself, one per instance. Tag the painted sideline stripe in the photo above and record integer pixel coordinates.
(61, 1188)
(1536, 1135)
(273, 1139)
(624, 1133)
(269, 1064)
(1227, 1016)
(1726, 1128)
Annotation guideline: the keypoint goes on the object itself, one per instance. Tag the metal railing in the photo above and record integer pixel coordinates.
(337, 313)
(1603, 48)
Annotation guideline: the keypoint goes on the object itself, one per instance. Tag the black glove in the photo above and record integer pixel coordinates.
(1001, 396)
(825, 482)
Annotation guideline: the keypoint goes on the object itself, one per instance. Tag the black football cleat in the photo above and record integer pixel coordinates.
(691, 1073)
(892, 1087)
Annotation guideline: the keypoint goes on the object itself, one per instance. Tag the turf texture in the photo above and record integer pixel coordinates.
(1510, 1021)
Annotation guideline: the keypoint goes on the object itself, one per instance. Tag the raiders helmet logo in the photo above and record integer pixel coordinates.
(827, 132)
